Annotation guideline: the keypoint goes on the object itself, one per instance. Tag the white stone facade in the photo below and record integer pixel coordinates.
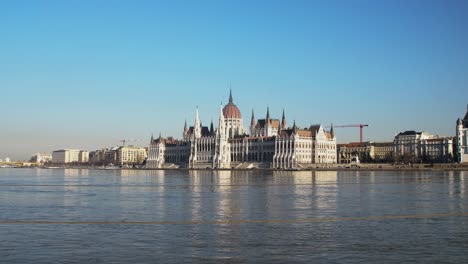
(70, 156)
(41, 158)
(270, 144)
(439, 149)
(411, 146)
(130, 155)
(461, 139)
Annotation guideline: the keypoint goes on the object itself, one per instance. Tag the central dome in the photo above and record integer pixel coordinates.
(230, 110)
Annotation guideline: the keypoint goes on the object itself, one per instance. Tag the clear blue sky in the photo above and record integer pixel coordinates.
(84, 74)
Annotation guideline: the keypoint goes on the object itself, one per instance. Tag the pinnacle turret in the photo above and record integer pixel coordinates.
(283, 121)
(252, 120)
(267, 120)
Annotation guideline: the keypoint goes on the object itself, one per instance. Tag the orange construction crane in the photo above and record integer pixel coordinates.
(361, 126)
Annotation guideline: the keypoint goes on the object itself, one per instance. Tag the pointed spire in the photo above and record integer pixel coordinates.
(294, 126)
(283, 121)
(160, 135)
(230, 94)
(185, 125)
(152, 138)
(331, 131)
(221, 125)
(267, 121)
(252, 120)
(197, 125)
(211, 127)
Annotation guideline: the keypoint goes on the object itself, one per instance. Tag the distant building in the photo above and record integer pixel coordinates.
(7, 159)
(412, 146)
(461, 139)
(104, 156)
(130, 155)
(438, 149)
(70, 156)
(383, 152)
(41, 158)
(366, 152)
(407, 145)
(271, 144)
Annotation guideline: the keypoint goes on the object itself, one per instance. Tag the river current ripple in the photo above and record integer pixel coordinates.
(132, 216)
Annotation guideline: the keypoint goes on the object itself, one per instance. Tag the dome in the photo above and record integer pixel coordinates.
(230, 110)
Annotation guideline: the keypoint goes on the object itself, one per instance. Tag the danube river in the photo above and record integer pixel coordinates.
(131, 216)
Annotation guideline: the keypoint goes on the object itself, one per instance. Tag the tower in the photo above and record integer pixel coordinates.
(283, 121)
(211, 128)
(232, 118)
(197, 126)
(252, 123)
(222, 157)
(185, 133)
(458, 139)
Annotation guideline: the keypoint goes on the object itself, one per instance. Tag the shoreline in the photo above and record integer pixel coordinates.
(334, 167)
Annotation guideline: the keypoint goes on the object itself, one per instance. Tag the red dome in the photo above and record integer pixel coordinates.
(231, 111)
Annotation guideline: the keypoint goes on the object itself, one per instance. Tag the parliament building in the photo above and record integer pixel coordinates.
(267, 143)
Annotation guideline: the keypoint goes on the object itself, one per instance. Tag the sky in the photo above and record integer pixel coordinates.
(86, 74)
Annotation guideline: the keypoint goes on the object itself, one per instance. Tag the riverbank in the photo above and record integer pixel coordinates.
(316, 167)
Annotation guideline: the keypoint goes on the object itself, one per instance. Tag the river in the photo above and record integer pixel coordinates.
(135, 216)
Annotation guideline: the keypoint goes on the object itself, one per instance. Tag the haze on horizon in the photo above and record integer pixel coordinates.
(85, 74)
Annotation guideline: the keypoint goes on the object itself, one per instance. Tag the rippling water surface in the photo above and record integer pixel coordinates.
(128, 216)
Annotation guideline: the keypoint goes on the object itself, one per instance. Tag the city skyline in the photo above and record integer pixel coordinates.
(81, 75)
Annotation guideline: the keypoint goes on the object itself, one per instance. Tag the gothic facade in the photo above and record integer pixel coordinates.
(270, 144)
(461, 139)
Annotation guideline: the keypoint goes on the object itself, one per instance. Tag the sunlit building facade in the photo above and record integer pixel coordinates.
(461, 139)
(271, 144)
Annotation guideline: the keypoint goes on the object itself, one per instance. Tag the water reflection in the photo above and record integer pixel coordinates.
(167, 198)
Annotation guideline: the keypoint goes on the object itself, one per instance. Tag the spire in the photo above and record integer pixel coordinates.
(230, 94)
(160, 135)
(211, 127)
(185, 125)
(465, 119)
(283, 121)
(267, 121)
(197, 119)
(152, 138)
(331, 131)
(252, 120)
(221, 125)
(294, 126)
(197, 125)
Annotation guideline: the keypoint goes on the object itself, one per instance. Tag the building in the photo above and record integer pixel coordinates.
(383, 152)
(130, 155)
(41, 158)
(104, 156)
(363, 150)
(367, 152)
(461, 144)
(70, 156)
(438, 149)
(271, 144)
(412, 146)
(407, 146)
